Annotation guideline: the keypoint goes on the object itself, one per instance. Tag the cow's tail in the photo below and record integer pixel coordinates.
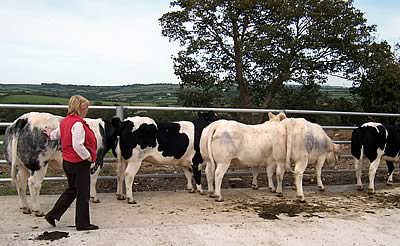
(289, 138)
(211, 131)
(13, 160)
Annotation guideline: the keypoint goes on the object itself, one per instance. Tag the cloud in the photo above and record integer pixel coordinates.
(105, 45)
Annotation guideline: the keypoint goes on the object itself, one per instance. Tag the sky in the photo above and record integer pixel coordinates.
(111, 42)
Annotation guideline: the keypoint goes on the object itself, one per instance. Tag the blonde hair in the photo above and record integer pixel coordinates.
(75, 104)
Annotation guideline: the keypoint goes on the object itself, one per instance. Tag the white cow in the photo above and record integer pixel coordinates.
(307, 143)
(29, 151)
(227, 142)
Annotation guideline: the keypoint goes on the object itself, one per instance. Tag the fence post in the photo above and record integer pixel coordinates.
(119, 112)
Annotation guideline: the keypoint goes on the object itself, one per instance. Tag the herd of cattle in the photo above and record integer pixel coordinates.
(278, 144)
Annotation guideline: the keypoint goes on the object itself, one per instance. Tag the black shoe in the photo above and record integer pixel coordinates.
(87, 228)
(50, 220)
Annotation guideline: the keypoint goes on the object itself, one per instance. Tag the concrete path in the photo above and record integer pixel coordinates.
(181, 218)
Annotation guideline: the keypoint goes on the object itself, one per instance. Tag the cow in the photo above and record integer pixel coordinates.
(307, 142)
(378, 143)
(173, 143)
(228, 142)
(29, 151)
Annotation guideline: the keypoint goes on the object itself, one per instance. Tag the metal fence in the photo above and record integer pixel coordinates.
(119, 111)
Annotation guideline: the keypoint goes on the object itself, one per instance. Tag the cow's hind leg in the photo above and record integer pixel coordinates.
(256, 172)
(21, 184)
(93, 182)
(35, 184)
(121, 167)
(280, 172)
(358, 163)
(372, 171)
(130, 173)
(271, 167)
(210, 176)
(189, 175)
(390, 172)
(298, 176)
(219, 175)
(318, 170)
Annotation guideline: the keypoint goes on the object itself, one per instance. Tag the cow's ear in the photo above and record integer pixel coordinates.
(116, 122)
(212, 114)
(271, 116)
(281, 116)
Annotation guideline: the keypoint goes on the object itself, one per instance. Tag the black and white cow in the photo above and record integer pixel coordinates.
(29, 151)
(376, 142)
(173, 143)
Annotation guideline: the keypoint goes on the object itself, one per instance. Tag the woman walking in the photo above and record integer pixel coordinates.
(78, 144)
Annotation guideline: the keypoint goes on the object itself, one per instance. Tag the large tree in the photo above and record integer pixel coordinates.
(378, 80)
(258, 46)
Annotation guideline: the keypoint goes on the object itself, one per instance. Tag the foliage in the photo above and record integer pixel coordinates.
(257, 46)
(379, 82)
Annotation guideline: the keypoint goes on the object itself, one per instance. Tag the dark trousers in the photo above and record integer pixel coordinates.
(78, 175)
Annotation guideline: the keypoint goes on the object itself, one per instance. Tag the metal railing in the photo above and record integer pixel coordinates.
(119, 111)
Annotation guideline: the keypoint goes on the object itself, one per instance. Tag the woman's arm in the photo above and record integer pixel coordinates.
(78, 140)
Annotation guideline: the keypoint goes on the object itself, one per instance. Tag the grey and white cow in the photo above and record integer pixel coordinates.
(307, 142)
(30, 152)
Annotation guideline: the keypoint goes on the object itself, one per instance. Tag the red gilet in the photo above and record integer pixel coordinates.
(68, 152)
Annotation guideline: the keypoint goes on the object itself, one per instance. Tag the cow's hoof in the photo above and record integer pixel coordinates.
(273, 190)
(26, 210)
(95, 200)
(219, 199)
(389, 183)
(38, 213)
(279, 194)
(321, 188)
(254, 187)
(371, 191)
(201, 192)
(131, 201)
(301, 200)
(191, 190)
(360, 188)
(212, 195)
(120, 197)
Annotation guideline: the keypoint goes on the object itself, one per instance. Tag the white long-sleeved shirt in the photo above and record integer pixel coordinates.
(78, 139)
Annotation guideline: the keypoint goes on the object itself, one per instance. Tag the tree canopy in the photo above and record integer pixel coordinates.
(378, 82)
(258, 46)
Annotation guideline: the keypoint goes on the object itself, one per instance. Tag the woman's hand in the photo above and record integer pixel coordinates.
(90, 159)
(48, 131)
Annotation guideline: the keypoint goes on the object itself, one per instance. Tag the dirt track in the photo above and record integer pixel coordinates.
(338, 216)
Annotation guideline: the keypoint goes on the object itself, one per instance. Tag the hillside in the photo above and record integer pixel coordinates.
(138, 94)
(135, 94)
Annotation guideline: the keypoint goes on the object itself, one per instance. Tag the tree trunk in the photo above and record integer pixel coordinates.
(244, 97)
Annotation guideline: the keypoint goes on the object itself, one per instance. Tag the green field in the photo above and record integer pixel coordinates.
(138, 94)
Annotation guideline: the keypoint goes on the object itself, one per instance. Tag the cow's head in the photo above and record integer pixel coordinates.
(333, 154)
(209, 117)
(116, 124)
(110, 134)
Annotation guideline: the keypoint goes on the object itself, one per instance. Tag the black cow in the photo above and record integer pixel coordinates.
(29, 151)
(376, 142)
(174, 143)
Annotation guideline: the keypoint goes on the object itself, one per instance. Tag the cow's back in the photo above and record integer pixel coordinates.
(32, 144)
(242, 144)
(306, 139)
(175, 142)
(371, 137)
